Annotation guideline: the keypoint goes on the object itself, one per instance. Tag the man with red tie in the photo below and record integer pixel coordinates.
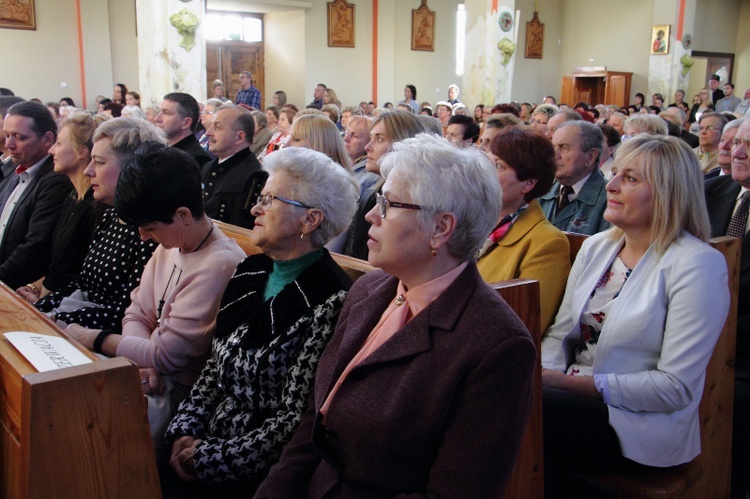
(30, 202)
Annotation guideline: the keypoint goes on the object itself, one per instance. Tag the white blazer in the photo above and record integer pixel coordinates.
(655, 343)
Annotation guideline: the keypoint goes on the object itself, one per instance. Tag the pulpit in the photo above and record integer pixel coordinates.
(596, 85)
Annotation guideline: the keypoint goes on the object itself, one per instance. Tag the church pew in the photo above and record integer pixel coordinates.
(70, 433)
(708, 475)
(527, 478)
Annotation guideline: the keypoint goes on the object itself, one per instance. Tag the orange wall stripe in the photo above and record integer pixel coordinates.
(680, 20)
(81, 62)
(374, 51)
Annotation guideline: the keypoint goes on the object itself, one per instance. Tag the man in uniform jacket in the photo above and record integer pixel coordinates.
(234, 180)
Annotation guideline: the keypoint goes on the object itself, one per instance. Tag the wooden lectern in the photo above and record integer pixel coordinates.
(596, 85)
(79, 432)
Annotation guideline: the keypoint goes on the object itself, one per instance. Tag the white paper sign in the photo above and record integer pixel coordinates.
(46, 353)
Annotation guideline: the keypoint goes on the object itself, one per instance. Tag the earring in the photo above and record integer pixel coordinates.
(302, 237)
(432, 251)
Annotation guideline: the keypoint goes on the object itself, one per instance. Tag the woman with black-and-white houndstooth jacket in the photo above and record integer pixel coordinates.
(277, 314)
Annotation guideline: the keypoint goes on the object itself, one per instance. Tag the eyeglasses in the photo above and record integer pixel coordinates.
(265, 201)
(206, 112)
(707, 128)
(383, 205)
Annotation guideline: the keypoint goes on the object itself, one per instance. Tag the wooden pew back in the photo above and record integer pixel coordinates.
(355, 267)
(70, 433)
(527, 479)
(708, 475)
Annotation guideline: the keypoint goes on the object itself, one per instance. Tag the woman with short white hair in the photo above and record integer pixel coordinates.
(277, 314)
(425, 386)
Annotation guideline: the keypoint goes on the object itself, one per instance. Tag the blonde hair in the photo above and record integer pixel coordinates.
(323, 136)
(82, 127)
(672, 170)
(400, 125)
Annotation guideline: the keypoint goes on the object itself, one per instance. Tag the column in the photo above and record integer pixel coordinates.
(171, 49)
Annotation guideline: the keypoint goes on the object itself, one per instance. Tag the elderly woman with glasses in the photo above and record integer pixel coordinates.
(425, 386)
(276, 316)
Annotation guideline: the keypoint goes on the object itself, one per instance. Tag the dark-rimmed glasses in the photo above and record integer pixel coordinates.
(265, 201)
(383, 204)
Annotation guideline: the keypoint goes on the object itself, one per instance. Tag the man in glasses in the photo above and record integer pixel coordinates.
(709, 136)
(233, 181)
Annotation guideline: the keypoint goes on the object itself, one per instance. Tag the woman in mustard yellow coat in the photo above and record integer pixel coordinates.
(524, 244)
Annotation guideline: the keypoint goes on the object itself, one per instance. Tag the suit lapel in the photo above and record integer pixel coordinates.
(442, 314)
(721, 200)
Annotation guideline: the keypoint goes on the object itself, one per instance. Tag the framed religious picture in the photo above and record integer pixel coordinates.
(534, 38)
(340, 24)
(660, 39)
(17, 14)
(423, 28)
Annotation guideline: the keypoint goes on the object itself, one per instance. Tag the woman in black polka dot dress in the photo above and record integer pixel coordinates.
(98, 297)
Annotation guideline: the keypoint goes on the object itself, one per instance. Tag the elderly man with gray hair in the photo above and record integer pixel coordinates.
(578, 198)
(709, 136)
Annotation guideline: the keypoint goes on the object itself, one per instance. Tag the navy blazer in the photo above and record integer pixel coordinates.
(25, 249)
(721, 197)
(439, 408)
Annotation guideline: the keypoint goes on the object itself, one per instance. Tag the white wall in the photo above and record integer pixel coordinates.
(285, 56)
(535, 78)
(346, 70)
(124, 46)
(615, 34)
(35, 62)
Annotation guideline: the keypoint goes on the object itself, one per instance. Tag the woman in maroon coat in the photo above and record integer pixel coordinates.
(424, 389)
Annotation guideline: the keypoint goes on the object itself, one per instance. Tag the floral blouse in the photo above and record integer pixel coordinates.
(595, 313)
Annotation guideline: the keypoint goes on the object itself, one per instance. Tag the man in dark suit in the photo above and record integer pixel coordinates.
(34, 195)
(233, 181)
(179, 115)
(724, 197)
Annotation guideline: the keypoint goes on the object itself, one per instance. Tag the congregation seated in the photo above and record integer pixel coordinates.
(356, 137)
(179, 115)
(7, 167)
(232, 181)
(577, 199)
(262, 135)
(79, 215)
(524, 244)
(645, 123)
(317, 132)
(31, 196)
(424, 338)
(98, 296)
(709, 136)
(168, 327)
(560, 117)
(281, 136)
(387, 129)
(276, 316)
(632, 339)
(726, 198)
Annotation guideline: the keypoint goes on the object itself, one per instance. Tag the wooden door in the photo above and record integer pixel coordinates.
(225, 61)
(618, 89)
(567, 92)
